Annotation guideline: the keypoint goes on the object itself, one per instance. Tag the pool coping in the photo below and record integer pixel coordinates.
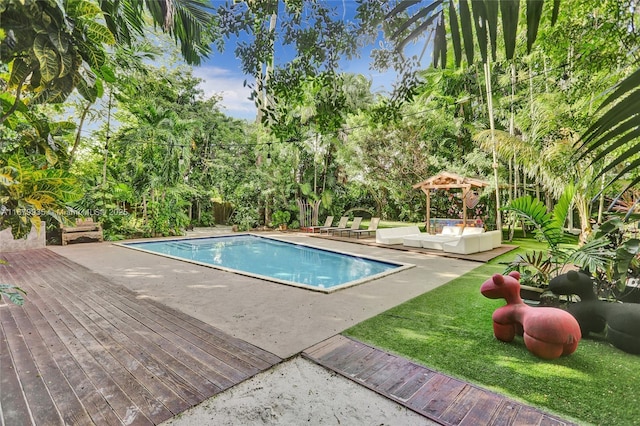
(402, 266)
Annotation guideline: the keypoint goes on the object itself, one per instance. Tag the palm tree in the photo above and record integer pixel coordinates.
(190, 22)
(548, 166)
(409, 20)
(616, 128)
(615, 135)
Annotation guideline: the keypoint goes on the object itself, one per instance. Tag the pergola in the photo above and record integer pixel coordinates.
(446, 180)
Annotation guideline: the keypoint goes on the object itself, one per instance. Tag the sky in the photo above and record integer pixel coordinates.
(222, 75)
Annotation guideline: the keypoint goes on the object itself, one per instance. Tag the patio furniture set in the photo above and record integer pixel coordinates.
(452, 239)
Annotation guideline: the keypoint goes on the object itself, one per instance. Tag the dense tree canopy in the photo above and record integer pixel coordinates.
(163, 155)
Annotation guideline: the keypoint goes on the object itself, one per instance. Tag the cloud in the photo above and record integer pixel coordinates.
(230, 86)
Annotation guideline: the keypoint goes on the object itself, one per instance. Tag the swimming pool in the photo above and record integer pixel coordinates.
(274, 260)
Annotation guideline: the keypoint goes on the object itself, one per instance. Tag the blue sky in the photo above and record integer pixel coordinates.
(223, 76)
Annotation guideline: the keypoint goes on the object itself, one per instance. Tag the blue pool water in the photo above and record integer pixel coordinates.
(274, 260)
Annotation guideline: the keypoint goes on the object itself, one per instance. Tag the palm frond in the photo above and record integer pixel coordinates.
(537, 260)
(592, 256)
(534, 212)
(615, 133)
(481, 30)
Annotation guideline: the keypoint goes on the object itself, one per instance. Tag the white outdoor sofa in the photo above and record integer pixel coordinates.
(395, 235)
(434, 242)
(474, 243)
(457, 240)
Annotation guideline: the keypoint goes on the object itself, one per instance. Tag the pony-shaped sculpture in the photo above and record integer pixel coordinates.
(619, 320)
(548, 332)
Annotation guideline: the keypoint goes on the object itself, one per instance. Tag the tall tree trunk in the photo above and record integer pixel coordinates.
(106, 143)
(601, 201)
(263, 80)
(76, 142)
(513, 168)
(494, 148)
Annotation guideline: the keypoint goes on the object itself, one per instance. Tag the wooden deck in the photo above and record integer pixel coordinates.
(84, 351)
(441, 398)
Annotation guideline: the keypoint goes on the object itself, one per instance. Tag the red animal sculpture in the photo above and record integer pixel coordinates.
(548, 332)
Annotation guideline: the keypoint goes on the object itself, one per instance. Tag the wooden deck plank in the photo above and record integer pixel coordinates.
(441, 398)
(96, 349)
(175, 344)
(173, 373)
(342, 353)
(527, 416)
(134, 401)
(236, 347)
(505, 414)
(411, 386)
(354, 363)
(446, 394)
(230, 363)
(139, 365)
(461, 406)
(321, 349)
(68, 405)
(99, 368)
(13, 406)
(99, 410)
(41, 407)
(390, 369)
(369, 364)
(482, 412)
(401, 377)
(158, 410)
(419, 400)
(112, 324)
(200, 361)
(548, 421)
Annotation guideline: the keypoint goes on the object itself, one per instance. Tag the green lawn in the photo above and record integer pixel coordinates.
(449, 329)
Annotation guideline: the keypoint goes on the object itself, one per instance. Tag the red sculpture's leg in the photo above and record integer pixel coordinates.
(571, 347)
(504, 332)
(542, 349)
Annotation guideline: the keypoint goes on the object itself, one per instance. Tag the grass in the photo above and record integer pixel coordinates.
(449, 329)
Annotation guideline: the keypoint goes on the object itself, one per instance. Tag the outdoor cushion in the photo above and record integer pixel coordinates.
(490, 240)
(485, 242)
(428, 241)
(436, 242)
(413, 240)
(395, 235)
(470, 230)
(451, 230)
(465, 244)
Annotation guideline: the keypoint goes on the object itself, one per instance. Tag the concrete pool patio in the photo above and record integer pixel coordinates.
(284, 321)
(281, 319)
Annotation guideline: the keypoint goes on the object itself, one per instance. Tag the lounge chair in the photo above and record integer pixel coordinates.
(341, 225)
(373, 226)
(354, 226)
(327, 224)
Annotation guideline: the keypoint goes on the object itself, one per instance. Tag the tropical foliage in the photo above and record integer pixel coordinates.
(12, 293)
(166, 155)
(29, 190)
(608, 255)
